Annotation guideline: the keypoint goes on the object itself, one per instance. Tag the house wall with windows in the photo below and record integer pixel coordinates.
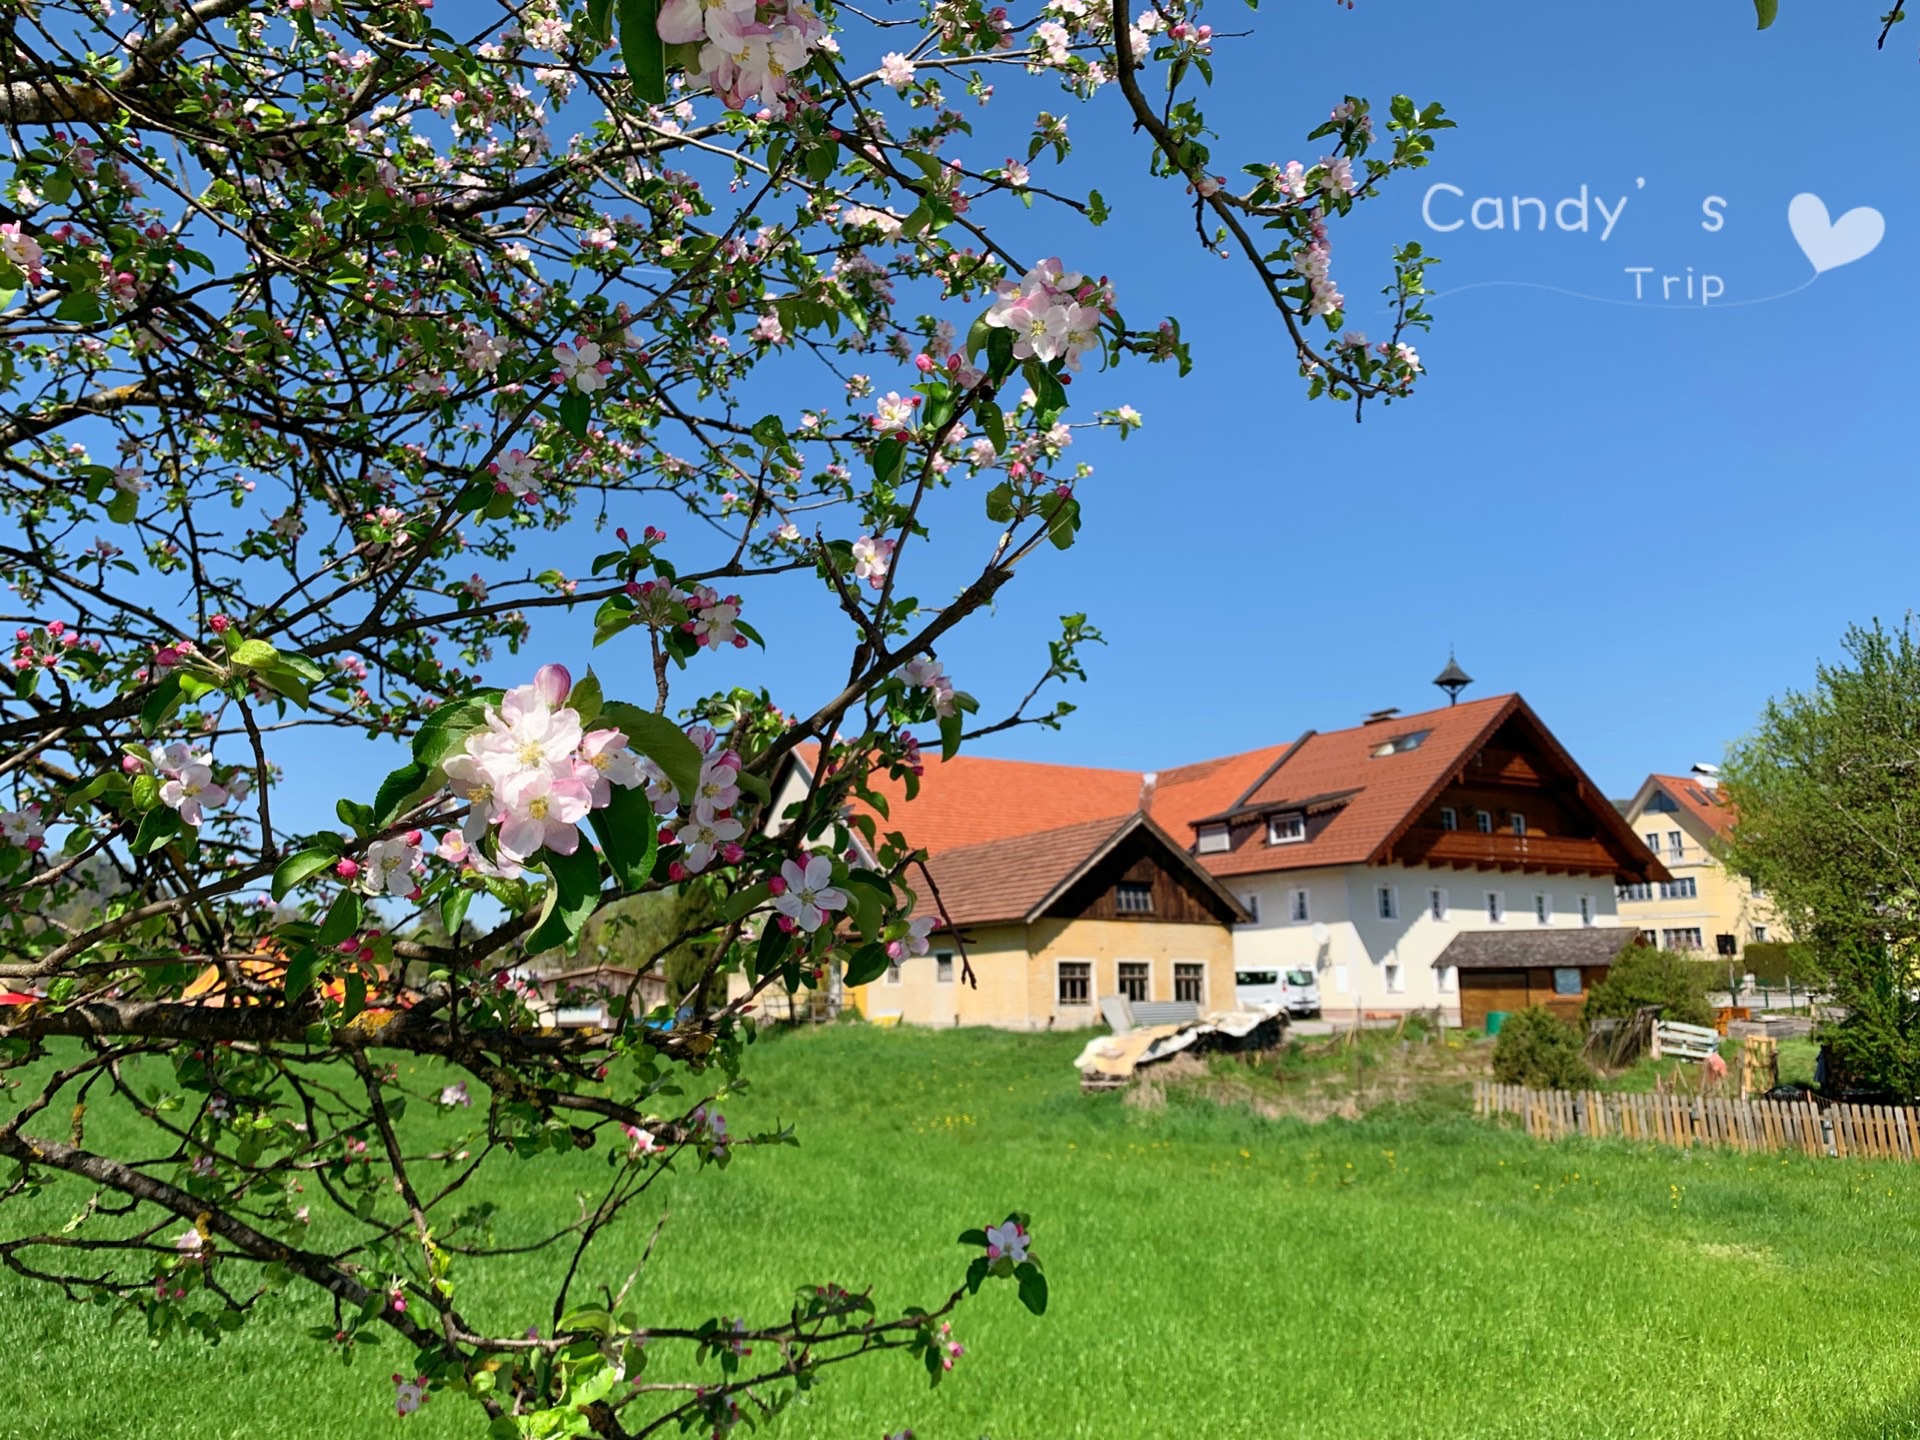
(1706, 909)
(1050, 974)
(1375, 953)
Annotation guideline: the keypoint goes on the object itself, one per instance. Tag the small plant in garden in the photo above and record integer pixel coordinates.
(1538, 1049)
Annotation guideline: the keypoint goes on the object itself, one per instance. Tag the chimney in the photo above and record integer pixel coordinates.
(1377, 717)
(1705, 775)
(1147, 782)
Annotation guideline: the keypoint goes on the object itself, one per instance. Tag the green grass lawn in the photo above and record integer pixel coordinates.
(1214, 1273)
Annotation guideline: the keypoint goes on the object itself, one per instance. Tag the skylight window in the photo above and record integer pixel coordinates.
(1400, 744)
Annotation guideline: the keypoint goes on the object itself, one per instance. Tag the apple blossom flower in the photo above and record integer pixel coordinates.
(808, 894)
(606, 760)
(1008, 1240)
(894, 412)
(517, 473)
(705, 838)
(455, 1094)
(642, 1142)
(581, 366)
(22, 251)
(392, 865)
(23, 827)
(896, 70)
(871, 559)
(719, 787)
(542, 811)
(192, 791)
(409, 1395)
(914, 942)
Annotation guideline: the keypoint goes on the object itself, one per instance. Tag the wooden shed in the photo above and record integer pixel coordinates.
(1514, 969)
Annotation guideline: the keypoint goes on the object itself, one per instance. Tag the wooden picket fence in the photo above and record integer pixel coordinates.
(1875, 1132)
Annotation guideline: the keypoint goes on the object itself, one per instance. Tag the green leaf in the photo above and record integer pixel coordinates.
(773, 945)
(355, 816)
(447, 727)
(599, 14)
(599, 1322)
(356, 999)
(82, 307)
(574, 895)
(660, 740)
(343, 918)
(742, 901)
(298, 867)
(300, 972)
(1000, 503)
(640, 47)
(576, 413)
(770, 431)
(994, 422)
(124, 505)
(400, 789)
(869, 907)
(160, 705)
(888, 456)
(453, 911)
(950, 730)
(586, 699)
(629, 838)
(254, 655)
(821, 160)
(978, 1271)
(1766, 10)
(1033, 1287)
(866, 965)
(157, 827)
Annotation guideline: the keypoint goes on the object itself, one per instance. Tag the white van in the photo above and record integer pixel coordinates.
(1294, 991)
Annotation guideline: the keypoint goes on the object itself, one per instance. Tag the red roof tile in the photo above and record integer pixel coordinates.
(1182, 796)
(1004, 879)
(1703, 802)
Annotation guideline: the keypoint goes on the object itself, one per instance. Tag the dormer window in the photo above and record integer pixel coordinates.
(1400, 744)
(1449, 818)
(1213, 839)
(1133, 898)
(1286, 829)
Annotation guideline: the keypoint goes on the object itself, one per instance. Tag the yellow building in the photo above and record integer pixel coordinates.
(1049, 923)
(1704, 908)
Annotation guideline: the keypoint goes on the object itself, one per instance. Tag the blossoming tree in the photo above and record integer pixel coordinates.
(322, 319)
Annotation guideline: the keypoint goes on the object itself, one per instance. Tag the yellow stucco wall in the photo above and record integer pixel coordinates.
(1724, 903)
(1016, 967)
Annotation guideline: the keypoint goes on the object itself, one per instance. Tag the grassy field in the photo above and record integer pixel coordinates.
(1215, 1272)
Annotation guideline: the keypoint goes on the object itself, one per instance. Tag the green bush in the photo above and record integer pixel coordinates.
(1538, 1049)
(1653, 977)
(1775, 963)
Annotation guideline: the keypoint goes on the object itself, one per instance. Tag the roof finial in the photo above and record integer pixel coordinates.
(1453, 679)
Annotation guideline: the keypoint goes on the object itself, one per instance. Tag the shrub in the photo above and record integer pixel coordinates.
(1777, 963)
(1653, 977)
(1538, 1049)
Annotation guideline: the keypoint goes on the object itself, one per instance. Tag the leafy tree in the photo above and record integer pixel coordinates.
(1825, 790)
(1644, 976)
(1538, 1049)
(332, 331)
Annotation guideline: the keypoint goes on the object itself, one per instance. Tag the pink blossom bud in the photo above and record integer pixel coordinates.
(347, 869)
(677, 871)
(621, 535)
(132, 764)
(412, 837)
(923, 363)
(666, 835)
(551, 683)
(347, 947)
(786, 924)
(732, 853)
(219, 624)
(896, 950)
(777, 886)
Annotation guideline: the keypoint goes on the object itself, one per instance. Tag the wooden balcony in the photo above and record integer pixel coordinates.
(1471, 850)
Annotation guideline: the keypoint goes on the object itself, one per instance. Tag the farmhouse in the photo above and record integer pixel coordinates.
(1704, 907)
(1363, 854)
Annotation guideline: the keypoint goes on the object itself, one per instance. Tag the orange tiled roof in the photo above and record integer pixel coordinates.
(1702, 802)
(1004, 879)
(972, 801)
(1183, 795)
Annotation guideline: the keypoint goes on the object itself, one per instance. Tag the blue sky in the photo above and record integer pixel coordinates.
(1645, 518)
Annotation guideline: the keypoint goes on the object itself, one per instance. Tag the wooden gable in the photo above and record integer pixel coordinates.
(1177, 895)
(1570, 828)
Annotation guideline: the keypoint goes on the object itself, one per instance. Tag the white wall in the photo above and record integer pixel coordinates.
(1354, 965)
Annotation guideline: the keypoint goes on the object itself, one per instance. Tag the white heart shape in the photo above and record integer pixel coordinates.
(1829, 243)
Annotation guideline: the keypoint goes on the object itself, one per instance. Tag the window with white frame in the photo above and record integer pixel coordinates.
(1518, 822)
(1437, 904)
(1755, 888)
(1685, 938)
(1286, 829)
(1387, 901)
(1190, 982)
(893, 973)
(1638, 890)
(1586, 909)
(1685, 888)
(1676, 844)
(1449, 978)
(943, 967)
(1449, 818)
(1653, 841)
(1496, 906)
(1252, 904)
(1136, 976)
(1076, 982)
(1483, 821)
(1214, 839)
(1133, 897)
(1543, 907)
(1298, 908)
(1396, 980)
(1759, 934)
